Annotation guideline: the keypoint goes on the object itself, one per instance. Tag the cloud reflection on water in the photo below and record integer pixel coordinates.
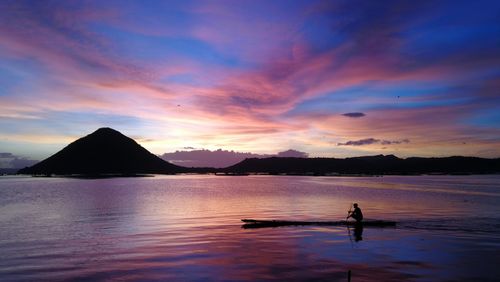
(188, 228)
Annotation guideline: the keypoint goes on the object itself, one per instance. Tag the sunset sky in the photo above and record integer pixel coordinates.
(330, 78)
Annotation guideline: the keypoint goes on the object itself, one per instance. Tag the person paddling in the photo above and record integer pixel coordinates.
(356, 214)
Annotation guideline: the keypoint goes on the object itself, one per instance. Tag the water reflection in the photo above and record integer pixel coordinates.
(187, 228)
(358, 232)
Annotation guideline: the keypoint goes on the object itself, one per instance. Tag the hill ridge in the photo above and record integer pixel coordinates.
(370, 165)
(104, 151)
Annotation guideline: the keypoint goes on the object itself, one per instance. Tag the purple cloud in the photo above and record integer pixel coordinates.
(370, 141)
(354, 115)
(220, 158)
(207, 158)
(6, 155)
(362, 142)
(389, 142)
(9, 160)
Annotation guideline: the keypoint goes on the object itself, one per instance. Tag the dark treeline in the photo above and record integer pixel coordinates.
(371, 165)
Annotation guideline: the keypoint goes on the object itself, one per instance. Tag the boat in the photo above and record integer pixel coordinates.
(232, 174)
(257, 223)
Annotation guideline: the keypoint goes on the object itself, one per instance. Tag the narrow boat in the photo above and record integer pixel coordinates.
(256, 223)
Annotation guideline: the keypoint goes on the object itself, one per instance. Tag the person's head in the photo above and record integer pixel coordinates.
(355, 205)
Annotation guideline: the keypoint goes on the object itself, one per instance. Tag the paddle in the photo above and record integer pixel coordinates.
(347, 225)
(349, 212)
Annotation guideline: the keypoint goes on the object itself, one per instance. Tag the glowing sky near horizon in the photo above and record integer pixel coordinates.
(330, 78)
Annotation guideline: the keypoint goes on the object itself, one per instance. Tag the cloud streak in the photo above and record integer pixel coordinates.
(362, 142)
(354, 115)
(371, 141)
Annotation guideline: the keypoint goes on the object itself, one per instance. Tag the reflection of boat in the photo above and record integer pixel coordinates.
(254, 223)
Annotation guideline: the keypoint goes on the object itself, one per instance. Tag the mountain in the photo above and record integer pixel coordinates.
(380, 164)
(105, 151)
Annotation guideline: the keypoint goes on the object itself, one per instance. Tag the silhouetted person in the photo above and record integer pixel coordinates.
(356, 214)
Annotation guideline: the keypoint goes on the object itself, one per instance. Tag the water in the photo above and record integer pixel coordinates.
(188, 228)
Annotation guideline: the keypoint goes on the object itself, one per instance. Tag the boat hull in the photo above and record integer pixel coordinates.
(255, 223)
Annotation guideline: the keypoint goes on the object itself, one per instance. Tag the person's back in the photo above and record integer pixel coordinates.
(356, 214)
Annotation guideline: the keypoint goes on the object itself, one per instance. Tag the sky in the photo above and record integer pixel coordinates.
(329, 78)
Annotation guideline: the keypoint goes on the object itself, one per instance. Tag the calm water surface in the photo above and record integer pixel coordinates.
(188, 228)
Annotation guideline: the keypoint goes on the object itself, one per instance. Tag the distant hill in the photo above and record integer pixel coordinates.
(8, 171)
(370, 165)
(106, 151)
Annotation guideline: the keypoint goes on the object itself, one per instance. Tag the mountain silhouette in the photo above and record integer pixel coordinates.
(371, 165)
(105, 151)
